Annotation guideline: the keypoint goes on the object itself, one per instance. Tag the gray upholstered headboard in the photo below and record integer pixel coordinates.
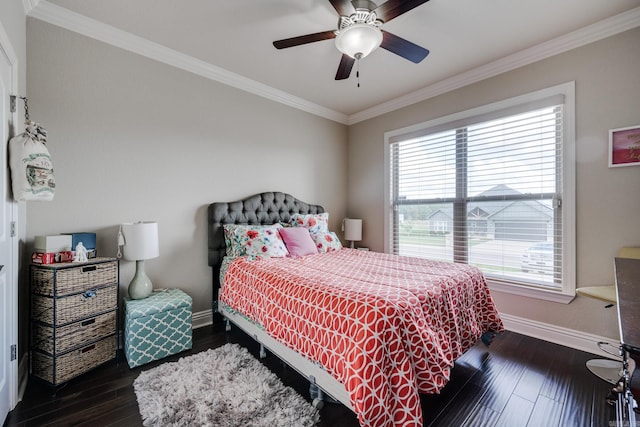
(263, 208)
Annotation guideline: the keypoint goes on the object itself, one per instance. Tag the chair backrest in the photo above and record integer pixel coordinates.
(629, 252)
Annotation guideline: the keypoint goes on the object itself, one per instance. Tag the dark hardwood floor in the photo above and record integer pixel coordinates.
(518, 381)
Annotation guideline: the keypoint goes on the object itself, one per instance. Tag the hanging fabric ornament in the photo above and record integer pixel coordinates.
(30, 163)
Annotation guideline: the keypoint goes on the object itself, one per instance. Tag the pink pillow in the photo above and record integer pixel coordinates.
(298, 241)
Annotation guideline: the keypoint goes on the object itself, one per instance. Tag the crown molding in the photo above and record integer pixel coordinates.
(61, 17)
(29, 5)
(72, 21)
(592, 33)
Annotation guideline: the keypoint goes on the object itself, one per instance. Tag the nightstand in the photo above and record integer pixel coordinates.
(73, 318)
(157, 326)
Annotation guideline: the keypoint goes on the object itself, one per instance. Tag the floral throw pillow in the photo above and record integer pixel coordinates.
(326, 242)
(233, 247)
(315, 223)
(254, 240)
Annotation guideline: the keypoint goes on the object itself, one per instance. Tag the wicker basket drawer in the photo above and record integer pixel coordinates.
(74, 307)
(59, 369)
(70, 278)
(72, 335)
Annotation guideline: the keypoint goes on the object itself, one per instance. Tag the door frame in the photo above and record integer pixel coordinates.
(6, 48)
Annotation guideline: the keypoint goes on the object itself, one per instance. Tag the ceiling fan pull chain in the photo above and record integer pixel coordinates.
(358, 71)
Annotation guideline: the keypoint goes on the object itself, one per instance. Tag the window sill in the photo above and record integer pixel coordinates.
(543, 294)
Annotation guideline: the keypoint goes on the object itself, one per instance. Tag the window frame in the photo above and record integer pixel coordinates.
(566, 292)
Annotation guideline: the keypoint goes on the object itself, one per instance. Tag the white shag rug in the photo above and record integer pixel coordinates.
(226, 387)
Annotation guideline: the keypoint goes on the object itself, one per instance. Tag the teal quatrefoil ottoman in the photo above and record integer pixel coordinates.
(156, 326)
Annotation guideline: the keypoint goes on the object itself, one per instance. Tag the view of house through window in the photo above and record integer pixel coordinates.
(485, 191)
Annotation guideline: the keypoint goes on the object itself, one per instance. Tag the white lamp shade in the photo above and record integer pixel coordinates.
(140, 240)
(352, 229)
(358, 40)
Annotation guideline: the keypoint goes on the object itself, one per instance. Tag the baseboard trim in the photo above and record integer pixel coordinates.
(23, 375)
(566, 337)
(201, 318)
(557, 334)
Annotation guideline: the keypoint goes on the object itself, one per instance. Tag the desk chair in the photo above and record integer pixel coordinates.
(608, 370)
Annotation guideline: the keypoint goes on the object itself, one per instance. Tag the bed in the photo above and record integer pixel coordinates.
(371, 330)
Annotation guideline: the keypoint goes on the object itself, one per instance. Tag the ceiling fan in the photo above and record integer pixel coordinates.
(359, 32)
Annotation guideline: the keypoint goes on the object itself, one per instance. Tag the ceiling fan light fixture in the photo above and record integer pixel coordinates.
(358, 40)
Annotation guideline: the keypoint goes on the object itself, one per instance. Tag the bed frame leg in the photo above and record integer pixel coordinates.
(227, 325)
(263, 352)
(316, 393)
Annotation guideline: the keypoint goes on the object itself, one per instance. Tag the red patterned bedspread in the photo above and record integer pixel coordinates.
(387, 327)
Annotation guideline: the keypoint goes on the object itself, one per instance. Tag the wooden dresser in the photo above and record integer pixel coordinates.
(74, 318)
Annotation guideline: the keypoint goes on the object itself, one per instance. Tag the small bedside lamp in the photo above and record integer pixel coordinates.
(140, 242)
(352, 230)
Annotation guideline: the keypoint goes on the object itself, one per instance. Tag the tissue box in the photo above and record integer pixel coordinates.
(52, 244)
(88, 240)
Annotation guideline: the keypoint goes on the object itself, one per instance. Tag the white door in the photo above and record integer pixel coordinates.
(8, 244)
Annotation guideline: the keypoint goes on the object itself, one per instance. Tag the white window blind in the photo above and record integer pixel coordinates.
(486, 190)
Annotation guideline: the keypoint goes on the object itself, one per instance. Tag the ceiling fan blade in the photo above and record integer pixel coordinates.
(402, 47)
(394, 8)
(309, 38)
(343, 7)
(344, 69)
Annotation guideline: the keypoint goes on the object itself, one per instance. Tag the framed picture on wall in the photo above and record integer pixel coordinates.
(624, 147)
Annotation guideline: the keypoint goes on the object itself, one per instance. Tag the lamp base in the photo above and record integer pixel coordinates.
(140, 286)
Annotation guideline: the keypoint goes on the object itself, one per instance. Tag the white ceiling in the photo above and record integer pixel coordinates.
(232, 41)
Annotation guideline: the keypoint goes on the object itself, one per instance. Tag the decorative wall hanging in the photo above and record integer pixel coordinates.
(624, 147)
(30, 162)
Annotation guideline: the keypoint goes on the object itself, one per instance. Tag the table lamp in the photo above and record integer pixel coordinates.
(140, 242)
(352, 230)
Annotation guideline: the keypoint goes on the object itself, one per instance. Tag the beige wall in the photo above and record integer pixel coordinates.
(607, 201)
(133, 139)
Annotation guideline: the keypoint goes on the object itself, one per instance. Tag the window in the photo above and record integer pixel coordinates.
(492, 187)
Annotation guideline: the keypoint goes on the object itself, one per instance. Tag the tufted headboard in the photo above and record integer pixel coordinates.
(263, 208)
